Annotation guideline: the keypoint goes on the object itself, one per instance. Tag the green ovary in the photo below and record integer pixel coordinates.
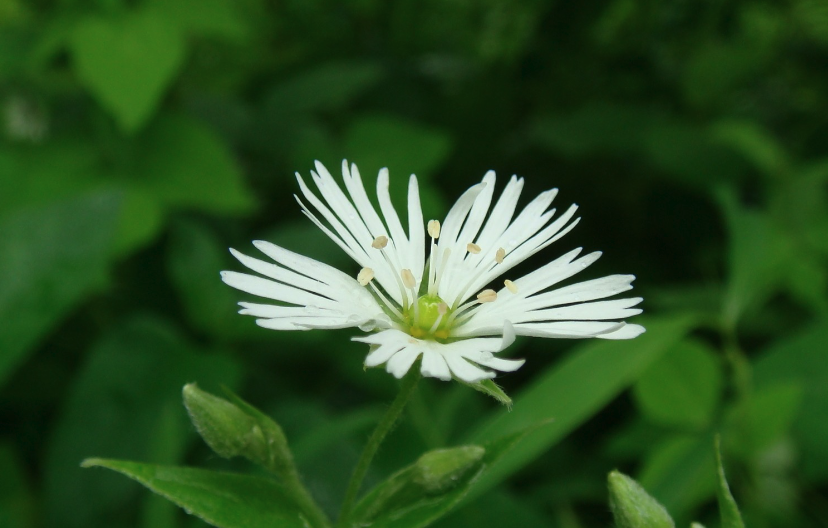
(427, 314)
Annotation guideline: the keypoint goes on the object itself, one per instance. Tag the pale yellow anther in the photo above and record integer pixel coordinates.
(487, 296)
(500, 255)
(380, 242)
(434, 229)
(442, 308)
(511, 286)
(408, 278)
(473, 248)
(365, 276)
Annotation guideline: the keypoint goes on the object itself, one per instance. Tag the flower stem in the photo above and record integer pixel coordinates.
(386, 423)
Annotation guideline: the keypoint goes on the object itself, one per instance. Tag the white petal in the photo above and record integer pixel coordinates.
(382, 353)
(627, 332)
(465, 371)
(400, 362)
(593, 311)
(567, 329)
(435, 366)
(273, 290)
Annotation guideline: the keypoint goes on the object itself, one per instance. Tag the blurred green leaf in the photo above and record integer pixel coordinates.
(680, 471)
(113, 407)
(51, 257)
(756, 145)
(128, 62)
(572, 391)
(417, 495)
(17, 503)
(729, 512)
(799, 360)
(681, 389)
(715, 70)
(209, 18)
(166, 447)
(225, 500)
(756, 261)
(184, 164)
(142, 219)
(194, 259)
(765, 417)
(324, 87)
(377, 141)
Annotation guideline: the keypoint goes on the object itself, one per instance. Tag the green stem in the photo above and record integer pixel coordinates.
(293, 484)
(386, 423)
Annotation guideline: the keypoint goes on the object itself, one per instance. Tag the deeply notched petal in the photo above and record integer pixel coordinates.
(477, 245)
(462, 359)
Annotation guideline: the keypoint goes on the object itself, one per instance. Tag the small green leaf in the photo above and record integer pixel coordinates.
(419, 494)
(50, 258)
(225, 500)
(213, 18)
(728, 511)
(185, 164)
(490, 388)
(681, 389)
(763, 418)
(128, 62)
(755, 144)
(633, 507)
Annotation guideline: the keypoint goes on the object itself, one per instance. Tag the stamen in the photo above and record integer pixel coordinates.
(442, 308)
(439, 273)
(510, 286)
(411, 283)
(408, 279)
(365, 276)
(434, 229)
(472, 248)
(380, 242)
(387, 302)
(487, 296)
(500, 255)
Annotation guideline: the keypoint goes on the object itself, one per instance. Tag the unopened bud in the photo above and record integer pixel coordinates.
(633, 507)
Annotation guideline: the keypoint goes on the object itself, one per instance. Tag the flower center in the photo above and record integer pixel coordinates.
(429, 319)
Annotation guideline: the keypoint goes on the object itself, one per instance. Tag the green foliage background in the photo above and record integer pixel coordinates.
(142, 138)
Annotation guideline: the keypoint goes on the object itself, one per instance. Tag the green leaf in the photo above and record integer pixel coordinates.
(681, 389)
(210, 18)
(755, 144)
(225, 500)
(633, 507)
(120, 397)
(728, 511)
(680, 472)
(490, 388)
(194, 258)
(324, 87)
(17, 504)
(128, 62)
(51, 257)
(419, 494)
(572, 391)
(800, 360)
(763, 419)
(374, 142)
(758, 254)
(185, 164)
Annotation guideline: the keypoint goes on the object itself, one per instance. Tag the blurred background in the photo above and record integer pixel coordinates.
(142, 138)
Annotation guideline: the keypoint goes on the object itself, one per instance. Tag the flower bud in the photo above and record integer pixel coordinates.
(633, 507)
(440, 470)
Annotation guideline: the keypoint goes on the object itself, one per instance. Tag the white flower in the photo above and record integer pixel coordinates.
(444, 310)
